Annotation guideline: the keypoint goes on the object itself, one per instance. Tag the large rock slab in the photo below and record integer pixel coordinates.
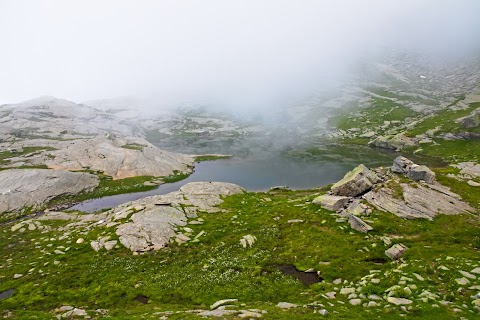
(111, 157)
(150, 223)
(151, 229)
(355, 182)
(421, 201)
(330, 202)
(20, 188)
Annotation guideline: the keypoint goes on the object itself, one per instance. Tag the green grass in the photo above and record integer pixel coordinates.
(211, 157)
(26, 150)
(195, 275)
(373, 116)
(445, 119)
(175, 177)
(452, 151)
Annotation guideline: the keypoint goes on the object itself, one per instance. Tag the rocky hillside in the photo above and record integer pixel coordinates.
(50, 133)
(346, 251)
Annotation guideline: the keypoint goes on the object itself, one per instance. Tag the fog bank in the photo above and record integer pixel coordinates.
(241, 54)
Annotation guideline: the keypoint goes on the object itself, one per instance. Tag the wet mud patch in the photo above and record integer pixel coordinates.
(307, 278)
(141, 299)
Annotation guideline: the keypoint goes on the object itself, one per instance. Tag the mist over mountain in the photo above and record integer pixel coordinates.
(248, 55)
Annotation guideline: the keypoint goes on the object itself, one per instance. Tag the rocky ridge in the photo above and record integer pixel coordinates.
(384, 189)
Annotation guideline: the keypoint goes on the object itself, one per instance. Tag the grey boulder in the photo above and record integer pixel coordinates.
(355, 182)
(330, 202)
(396, 251)
(417, 173)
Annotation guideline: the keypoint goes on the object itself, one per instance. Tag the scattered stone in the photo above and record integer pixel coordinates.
(331, 295)
(17, 276)
(473, 183)
(323, 312)
(462, 281)
(248, 240)
(332, 203)
(79, 240)
(249, 314)
(222, 302)
(467, 274)
(95, 245)
(358, 224)
(396, 251)
(64, 308)
(399, 301)
(109, 245)
(355, 302)
(76, 312)
(346, 291)
(295, 221)
(286, 305)
(476, 270)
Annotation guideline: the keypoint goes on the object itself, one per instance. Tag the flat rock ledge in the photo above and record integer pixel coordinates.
(151, 223)
(32, 188)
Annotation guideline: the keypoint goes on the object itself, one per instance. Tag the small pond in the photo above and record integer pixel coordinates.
(258, 173)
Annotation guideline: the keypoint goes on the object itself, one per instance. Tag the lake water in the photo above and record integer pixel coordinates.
(256, 174)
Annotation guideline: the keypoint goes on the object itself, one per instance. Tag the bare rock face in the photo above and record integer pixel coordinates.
(355, 182)
(330, 202)
(151, 229)
(421, 201)
(396, 251)
(118, 162)
(150, 223)
(109, 155)
(21, 188)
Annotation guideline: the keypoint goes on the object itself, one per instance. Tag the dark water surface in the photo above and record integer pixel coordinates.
(254, 174)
